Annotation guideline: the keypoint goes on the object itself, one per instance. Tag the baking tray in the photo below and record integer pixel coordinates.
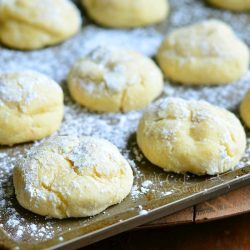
(155, 193)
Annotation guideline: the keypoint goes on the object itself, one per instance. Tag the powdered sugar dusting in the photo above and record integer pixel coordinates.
(21, 92)
(118, 128)
(109, 62)
(20, 88)
(201, 39)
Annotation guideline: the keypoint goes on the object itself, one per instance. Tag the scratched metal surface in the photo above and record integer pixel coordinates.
(168, 192)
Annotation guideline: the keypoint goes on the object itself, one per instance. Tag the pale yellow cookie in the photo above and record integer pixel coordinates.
(72, 177)
(245, 109)
(235, 5)
(204, 53)
(31, 107)
(112, 80)
(33, 24)
(191, 136)
(126, 14)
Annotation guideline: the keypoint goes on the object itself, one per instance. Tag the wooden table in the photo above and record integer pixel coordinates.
(227, 234)
(231, 204)
(224, 229)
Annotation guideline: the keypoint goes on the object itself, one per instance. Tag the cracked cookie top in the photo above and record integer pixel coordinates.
(112, 79)
(191, 136)
(71, 176)
(31, 106)
(21, 89)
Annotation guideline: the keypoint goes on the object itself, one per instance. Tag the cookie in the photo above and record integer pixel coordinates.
(35, 24)
(191, 136)
(204, 53)
(126, 14)
(71, 176)
(31, 107)
(113, 80)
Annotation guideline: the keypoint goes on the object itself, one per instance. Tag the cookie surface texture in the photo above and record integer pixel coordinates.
(27, 25)
(113, 80)
(72, 177)
(31, 107)
(126, 14)
(245, 109)
(191, 136)
(235, 5)
(204, 53)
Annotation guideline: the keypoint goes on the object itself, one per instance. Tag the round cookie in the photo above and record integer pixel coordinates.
(235, 5)
(204, 53)
(191, 136)
(126, 14)
(27, 25)
(112, 80)
(245, 109)
(31, 107)
(72, 177)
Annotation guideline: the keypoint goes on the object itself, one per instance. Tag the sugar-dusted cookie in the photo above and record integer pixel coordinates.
(204, 53)
(33, 24)
(112, 80)
(191, 136)
(72, 177)
(31, 107)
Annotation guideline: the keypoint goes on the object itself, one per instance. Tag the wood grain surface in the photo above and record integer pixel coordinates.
(227, 234)
(220, 233)
(233, 203)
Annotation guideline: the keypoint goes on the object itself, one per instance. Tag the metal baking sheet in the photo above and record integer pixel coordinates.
(155, 193)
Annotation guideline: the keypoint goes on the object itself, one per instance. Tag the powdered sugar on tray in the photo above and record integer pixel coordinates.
(117, 128)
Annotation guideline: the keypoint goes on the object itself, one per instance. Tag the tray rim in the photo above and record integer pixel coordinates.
(156, 213)
(130, 223)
